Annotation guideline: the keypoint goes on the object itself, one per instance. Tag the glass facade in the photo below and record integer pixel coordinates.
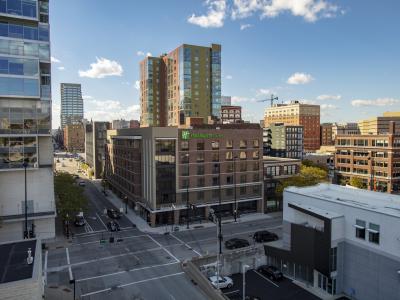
(71, 104)
(165, 171)
(25, 81)
(216, 83)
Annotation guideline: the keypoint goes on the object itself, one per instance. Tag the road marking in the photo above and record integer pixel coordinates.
(132, 283)
(60, 268)
(169, 253)
(69, 265)
(122, 237)
(45, 266)
(270, 281)
(87, 234)
(235, 291)
(101, 221)
(132, 270)
(186, 245)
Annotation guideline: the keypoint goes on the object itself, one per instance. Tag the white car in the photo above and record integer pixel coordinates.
(223, 282)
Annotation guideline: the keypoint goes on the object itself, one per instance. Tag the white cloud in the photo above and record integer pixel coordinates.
(87, 97)
(61, 68)
(245, 26)
(238, 99)
(310, 10)
(375, 102)
(137, 84)
(264, 92)
(101, 68)
(300, 78)
(127, 113)
(329, 97)
(105, 104)
(216, 10)
(328, 106)
(141, 53)
(54, 60)
(228, 76)
(245, 8)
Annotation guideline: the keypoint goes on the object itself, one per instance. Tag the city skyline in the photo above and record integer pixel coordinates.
(332, 55)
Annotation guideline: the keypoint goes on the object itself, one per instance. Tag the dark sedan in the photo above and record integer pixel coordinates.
(270, 272)
(113, 226)
(236, 243)
(265, 236)
(113, 214)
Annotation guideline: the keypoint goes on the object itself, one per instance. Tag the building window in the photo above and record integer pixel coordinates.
(215, 181)
(200, 170)
(256, 190)
(215, 157)
(184, 145)
(243, 155)
(184, 158)
(243, 144)
(200, 182)
(200, 146)
(229, 192)
(200, 157)
(373, 233)
(256, 177)
(200, 196)
(229, 167)
(229, 144)
(215, 145)
(360, 229)
(215, 194)
(243, 178)
(243, 167)
(229, 155)
(333, 259)
(185, 170)
(242, 190)
(256, 166)
(229, 180)
(255, 143)
(256, 154)
(185, 183)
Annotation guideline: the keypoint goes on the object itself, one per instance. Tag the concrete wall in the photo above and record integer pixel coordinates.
(11, 231)
(45, 150)
(370, 274)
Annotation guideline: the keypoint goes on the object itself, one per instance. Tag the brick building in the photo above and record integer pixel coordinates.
(231, 114)
(326, 134)
(74, 138)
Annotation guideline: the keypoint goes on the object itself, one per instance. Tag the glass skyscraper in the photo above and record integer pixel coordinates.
(25, 120)
(71, 104)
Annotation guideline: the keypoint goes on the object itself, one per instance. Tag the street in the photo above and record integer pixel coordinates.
(136, 265)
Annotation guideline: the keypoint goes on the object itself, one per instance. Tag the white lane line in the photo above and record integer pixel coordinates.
(101, 221)
(60, 268)
(163, 248)
(69, 265)
(132, 270)
(121, 237)
(85, 234)
(186, 245)
(270, 281)
(235, 291)
(132, 283)
(45, 267)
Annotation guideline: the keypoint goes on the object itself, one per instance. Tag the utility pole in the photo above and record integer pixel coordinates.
(187, 205)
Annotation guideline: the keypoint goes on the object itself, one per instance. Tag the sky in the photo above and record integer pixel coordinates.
(341, 54)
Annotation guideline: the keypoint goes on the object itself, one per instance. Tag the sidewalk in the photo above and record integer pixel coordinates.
(143, 226)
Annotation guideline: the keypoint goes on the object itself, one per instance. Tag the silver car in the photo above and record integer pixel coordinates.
(221, 282)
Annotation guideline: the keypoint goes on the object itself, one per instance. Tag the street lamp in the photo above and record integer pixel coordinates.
(25, 165)
(126, 204)
(244, 267)
(234, 187)
(187, 197)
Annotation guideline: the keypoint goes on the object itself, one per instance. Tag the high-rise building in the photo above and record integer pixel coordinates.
(296, 113)
(372, 158)
(281, 140)
(344, 129)
(25, 122)
(183, 83)
(95, 141)
(326, 134)
(71, 104)
(378, 125)
(226, 100)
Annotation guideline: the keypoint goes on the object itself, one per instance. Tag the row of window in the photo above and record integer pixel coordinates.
(19, 66)
(26, 8)
(362, 142)
(373, 231)
(215, 145)
(37, 33)
(216, 180)
(215, 194)
(215, 157)
(23, 48)
(19, 87)
(243, 167)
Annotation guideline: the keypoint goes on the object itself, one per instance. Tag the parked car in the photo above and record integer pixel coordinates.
(271, 272)
(264, 236)
(113, 214)
(79, 221)
(236, 243)
(82, 183)
(221, 282)
(113, 226)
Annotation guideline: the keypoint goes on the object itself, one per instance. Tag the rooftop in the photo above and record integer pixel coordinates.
(13, 265)
(280, 159)
(382, 203)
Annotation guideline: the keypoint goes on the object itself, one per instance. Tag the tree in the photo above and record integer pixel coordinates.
(309, 175)
(357, 182)
(69, 196)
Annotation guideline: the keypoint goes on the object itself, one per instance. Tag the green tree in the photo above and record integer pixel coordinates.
(69, 196)
(357, 182)
(309, 175)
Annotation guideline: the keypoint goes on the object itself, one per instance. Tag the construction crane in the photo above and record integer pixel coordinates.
(272, 99)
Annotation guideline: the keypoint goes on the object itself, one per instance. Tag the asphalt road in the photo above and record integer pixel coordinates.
(263, 288)
(137, 265)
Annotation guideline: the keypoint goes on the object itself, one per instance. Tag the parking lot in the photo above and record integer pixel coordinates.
(261, 287)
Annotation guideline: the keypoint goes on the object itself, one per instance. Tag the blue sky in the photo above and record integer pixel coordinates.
(344, 55)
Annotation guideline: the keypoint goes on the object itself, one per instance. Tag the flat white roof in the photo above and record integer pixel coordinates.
(321, 212)
(378, 202)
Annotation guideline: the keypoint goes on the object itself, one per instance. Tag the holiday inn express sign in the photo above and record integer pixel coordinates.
(186, 135)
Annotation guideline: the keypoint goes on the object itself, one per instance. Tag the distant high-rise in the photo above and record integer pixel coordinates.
(71, 104)
(25, 122)
(296, 113)
(226, 100)
(184, 83)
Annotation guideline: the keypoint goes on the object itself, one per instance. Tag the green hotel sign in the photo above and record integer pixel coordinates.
(186, 135)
